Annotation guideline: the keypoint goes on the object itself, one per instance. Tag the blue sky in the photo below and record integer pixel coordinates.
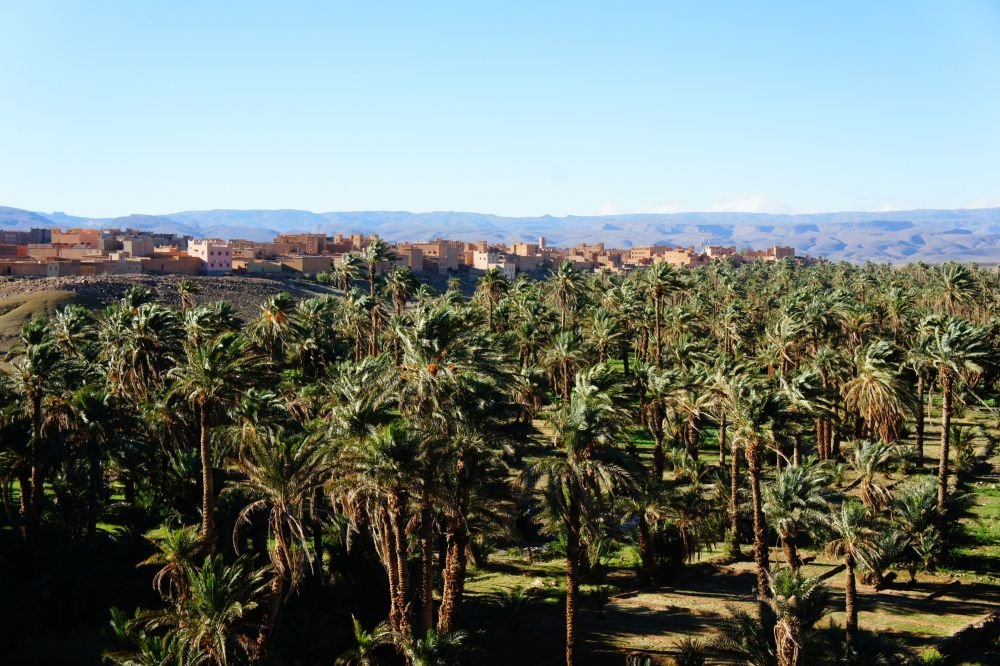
(108, 108)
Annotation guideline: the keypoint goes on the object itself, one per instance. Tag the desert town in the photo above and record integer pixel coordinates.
(55, 253)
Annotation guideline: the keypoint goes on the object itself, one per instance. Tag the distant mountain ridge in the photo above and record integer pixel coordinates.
(893, 236)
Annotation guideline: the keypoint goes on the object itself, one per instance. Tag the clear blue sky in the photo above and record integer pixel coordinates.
(108, 108)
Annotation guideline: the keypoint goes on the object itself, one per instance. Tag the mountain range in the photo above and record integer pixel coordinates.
(893, 236)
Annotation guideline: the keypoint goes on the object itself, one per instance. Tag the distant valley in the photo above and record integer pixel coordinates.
(895, 236)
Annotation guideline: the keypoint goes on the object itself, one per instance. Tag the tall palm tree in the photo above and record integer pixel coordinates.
(577, 486)
(281, 474)
(567, 286)
(854, 540)
(662, 389)
(491, 287)
(377, 252)
(210, 378)
(73, 331)
(919, 362)
(604, 332)
(376, 477)
(957, 350)
(37, 367)
(661, 279)
(755, 407)
(564, 358)
(400, 284)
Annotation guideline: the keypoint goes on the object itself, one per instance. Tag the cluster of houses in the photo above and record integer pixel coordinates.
(53, 252)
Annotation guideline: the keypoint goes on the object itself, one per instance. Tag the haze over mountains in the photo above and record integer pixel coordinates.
(894, 236)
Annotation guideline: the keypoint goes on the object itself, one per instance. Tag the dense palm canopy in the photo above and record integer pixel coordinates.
(364, 451)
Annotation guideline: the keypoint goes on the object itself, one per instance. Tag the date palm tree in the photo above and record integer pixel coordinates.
(564, 357)
(798, 603)
(400, 284)
(186, 291)
(367, 644)
(212, 622)
(348, 268)
(957, 350)
(662, 388)
(375, 476)
(919, 362)
(604, 331)
(661, 279)
(176, 551)
(855, 541)
(37, 365)
(796, 503)
(868, 460)
(281, 473)
(137, 341)
(878, 392)
(491, 287)
(377, 252)
(756, 407)
(956, 287)
(567, 286)
(274, 327)
(576, 487)
(210, 378)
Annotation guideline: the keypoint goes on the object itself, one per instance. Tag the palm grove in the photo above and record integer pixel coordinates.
(356, 455)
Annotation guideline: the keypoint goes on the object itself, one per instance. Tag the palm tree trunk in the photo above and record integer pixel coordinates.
(646, 550)
(316, 528)
(454, 579)
(458, 543)
(919, 426)
(790, 546)
(722, 440)
(572, 578)
(734, 489)
(821, 439)
(565, 379)
(391, 569)
(426, 567)
(24, 490)
(373, 344)
(796, 449)
(37, 497)
(207, 482)
(658, 453)
(760, 553)
(850, 601)
(659, 311)
(397, 504)
(692, 436)
(946, 396)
